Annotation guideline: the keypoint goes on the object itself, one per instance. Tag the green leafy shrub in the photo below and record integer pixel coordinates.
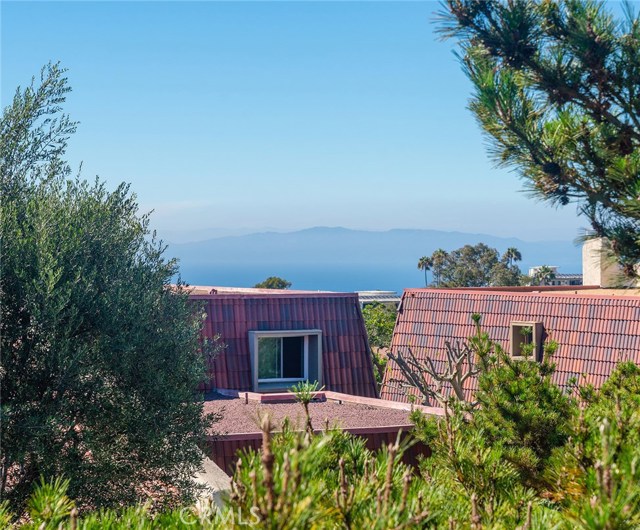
(100, 356)
(379, 321)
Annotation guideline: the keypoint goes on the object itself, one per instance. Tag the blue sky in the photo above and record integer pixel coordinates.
(230, 117)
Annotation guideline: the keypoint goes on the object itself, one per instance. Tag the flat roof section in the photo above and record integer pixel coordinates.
(212, 289)
(388, 297)
(241, 411)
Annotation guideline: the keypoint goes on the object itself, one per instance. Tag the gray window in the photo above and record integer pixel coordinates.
(280, 359)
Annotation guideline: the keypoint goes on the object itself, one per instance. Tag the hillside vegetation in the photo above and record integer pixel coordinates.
(531, 457)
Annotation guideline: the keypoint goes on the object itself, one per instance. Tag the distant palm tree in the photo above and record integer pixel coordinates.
(425, 263)
(512, 255)
(543, 275)
(438, 259)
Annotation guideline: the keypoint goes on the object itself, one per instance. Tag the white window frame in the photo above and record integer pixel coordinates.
(254, 336)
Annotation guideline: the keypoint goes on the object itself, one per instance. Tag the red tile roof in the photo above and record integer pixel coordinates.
(347, 365)
(593, 331)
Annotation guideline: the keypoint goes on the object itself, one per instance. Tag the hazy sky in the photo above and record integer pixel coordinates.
(240, 116)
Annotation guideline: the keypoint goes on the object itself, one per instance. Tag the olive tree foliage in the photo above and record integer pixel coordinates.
(100, 357)
(34, 134)
(556, 89)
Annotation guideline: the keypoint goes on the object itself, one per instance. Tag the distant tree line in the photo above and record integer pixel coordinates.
(473, 266)
(273, 282)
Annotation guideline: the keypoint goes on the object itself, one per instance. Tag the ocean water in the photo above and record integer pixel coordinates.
(327, 277)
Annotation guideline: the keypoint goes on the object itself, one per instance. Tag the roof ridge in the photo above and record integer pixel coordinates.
(557, 294)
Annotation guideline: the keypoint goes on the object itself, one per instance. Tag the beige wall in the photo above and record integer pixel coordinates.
(599, 267)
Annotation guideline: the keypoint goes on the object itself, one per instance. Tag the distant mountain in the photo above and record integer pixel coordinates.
(182, 235)
(341, 259)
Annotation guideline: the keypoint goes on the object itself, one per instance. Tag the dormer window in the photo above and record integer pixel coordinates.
(526, 340)
(280, 359)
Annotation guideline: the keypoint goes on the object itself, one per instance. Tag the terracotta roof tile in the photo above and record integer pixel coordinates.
(593, 331)
(347, 365)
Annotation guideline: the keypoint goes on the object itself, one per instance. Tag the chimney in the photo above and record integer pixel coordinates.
(599, 267)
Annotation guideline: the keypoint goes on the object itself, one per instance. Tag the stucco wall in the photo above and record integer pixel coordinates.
(599, 267)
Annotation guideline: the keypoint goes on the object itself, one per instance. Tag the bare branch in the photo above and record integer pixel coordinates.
(429, 381)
